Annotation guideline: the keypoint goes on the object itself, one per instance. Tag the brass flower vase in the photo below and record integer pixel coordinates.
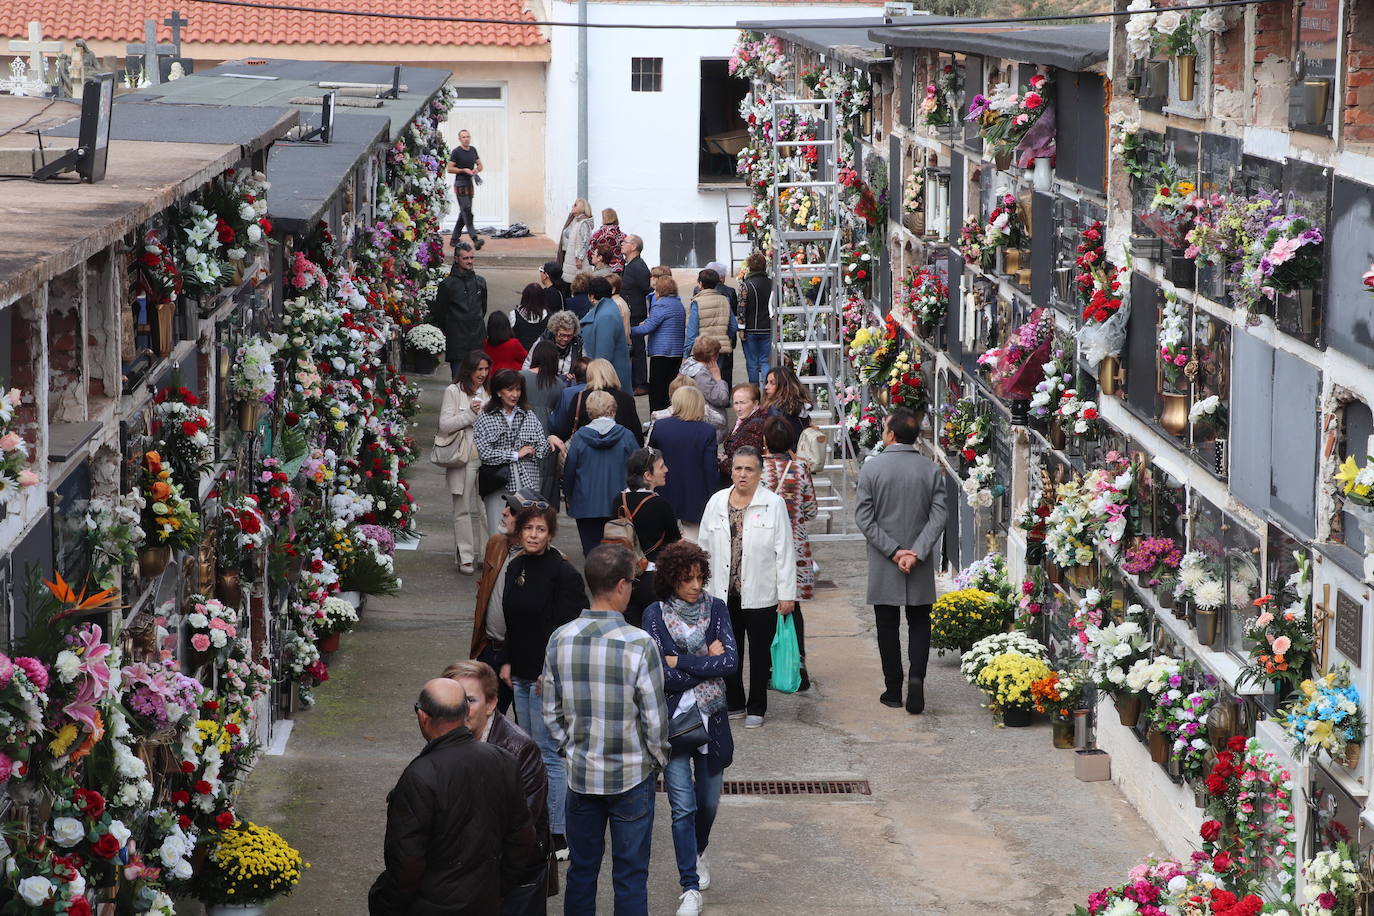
(1128, 708)
(1207, 620)
(248, 415)
(1108, 376)
(1174, 415)
(153, 560)
(1187, 76)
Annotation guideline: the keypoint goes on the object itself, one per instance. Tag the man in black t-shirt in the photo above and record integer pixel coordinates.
(464, 164)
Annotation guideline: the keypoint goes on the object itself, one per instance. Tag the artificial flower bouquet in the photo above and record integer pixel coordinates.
(958, 619)
(1079, 418)
(1150, 886)
(212, 626)
(1174, 351)
(155, 270)
(254, 377)
(865, 426)
(873, 350)
(248, 863)
(112, 534)
(1091, 512)
(1332, 884)
(1172, 209)
(1180, 712)
(1286, 256)
(1357, 483)
(1208, 417)
(1153, 675)
(168, 519)
(1280, 639)
(1201, 580)
(1049, 391)
(198, 241)
(965, 430)
(1005, 117)
(984, 650)
(980, 486)
(1058, 694)
(183, 427)
(1112, 649)
(239, 203)
(1018, 365)
(859, 266)
(972, 245)
(1005, 228)
(758, 57)
(937, 108)
(426, 338)
(914, 190)
(988, 574)
(1249, 839)
(1154, 561)
(334, 617)
(923, 296)
(1325, 716)
(904, 386)
(1168, 32)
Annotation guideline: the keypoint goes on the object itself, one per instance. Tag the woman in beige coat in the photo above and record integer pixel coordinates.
(463, 402)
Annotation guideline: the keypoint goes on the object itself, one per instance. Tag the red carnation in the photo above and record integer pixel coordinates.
(231, 728)
(184, 822)
(224, 820)
(1210, 830)
(187, 766)
(1237, 743)
(1089, 413)
(210, 705)
(150, 259)
(203, 787)
(969, 454)
(107, 847)
(1216, 785)
(863, 274)
(181, 796)
(189, 429)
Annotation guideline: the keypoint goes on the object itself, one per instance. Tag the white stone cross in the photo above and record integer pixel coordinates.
(149, 51)
(175, 22)
(36, 47)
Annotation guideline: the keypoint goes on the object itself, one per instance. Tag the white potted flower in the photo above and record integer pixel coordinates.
(425, 345)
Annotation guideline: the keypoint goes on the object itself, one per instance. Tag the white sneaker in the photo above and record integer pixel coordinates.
(690, 905)
(703, 873)
(753, 721)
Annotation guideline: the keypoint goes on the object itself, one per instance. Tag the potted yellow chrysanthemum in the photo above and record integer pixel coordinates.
(248, 865)
(1008, 680)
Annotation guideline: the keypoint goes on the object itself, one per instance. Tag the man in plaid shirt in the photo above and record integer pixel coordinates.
(604, 706)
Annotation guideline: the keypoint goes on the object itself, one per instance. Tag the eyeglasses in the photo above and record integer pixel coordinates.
(533, 504)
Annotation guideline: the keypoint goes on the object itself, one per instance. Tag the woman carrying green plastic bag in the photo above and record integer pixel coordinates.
(786, 657)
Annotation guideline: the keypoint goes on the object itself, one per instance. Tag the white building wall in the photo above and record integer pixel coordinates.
(643, 145)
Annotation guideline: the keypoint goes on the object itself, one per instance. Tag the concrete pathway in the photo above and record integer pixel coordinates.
(964, 818)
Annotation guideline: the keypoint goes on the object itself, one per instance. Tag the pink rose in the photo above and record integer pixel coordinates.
(200, 642)
(9, 441)
(1181, 360)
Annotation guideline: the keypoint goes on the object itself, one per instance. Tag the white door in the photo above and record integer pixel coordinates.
(481, 110)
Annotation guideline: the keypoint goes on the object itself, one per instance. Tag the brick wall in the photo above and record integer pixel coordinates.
(1273, 48)
(26, 351)
(66, 402)
(1359, 93)
(1231, 96)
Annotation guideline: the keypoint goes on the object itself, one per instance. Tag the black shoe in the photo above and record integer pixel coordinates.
(560, 847)
(805, 681)
(892, 699)
(478, 242)
(915, 695)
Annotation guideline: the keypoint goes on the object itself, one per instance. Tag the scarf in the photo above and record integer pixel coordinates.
(688, 623)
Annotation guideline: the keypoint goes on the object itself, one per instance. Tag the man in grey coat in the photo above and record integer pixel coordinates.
(901, 512)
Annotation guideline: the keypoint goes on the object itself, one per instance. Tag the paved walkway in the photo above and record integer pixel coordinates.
(965, 819)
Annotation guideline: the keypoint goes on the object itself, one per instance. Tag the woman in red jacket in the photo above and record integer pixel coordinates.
(505, 350)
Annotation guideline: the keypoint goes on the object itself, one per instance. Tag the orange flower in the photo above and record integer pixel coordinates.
(160, 490)
(1262, 600)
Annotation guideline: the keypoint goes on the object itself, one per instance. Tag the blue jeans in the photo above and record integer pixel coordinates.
(758, 356)
(694, 805)
(529, 713)
(631, 816)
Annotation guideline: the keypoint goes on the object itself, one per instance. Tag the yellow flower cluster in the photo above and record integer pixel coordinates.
(1007, 679)
(254, 862)
(211, 732)
(960, 618)
(66, 737)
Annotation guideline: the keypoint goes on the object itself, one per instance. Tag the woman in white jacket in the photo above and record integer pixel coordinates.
(577, 233)
(747, 532)
(463, 402)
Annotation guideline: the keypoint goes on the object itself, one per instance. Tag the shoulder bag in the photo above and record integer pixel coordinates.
(811, 448)
(448, 451)
(686, 729)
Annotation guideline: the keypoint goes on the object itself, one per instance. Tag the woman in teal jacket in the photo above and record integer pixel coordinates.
(594, 470)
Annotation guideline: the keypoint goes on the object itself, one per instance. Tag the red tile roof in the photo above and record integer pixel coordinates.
(122, 20)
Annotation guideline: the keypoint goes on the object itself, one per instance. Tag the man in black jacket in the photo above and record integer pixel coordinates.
(756, 291)
(482, 687)
(460, 308)
(458, 832)
(634, 289)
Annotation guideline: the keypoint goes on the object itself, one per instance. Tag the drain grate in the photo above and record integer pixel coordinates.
(793, 787)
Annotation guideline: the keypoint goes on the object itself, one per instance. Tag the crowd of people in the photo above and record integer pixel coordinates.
(693, 536)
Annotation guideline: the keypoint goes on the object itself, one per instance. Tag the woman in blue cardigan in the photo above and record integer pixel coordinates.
(665, 326)
(692, 630)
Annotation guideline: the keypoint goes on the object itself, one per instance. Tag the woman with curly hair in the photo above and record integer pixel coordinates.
(693, 633)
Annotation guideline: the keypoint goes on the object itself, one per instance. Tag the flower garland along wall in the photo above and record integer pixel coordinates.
(123, 743)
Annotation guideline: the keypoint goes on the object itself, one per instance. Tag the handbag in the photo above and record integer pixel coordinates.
(786, 657)
(686, 730)
(811, 448)
(491, 478)
(448, 451)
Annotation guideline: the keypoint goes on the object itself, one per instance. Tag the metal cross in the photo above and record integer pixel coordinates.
(36, 47)
(149, 51)
(175, 22)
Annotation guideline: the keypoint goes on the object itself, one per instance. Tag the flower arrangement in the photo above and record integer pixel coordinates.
(988, 574)
(1169, 32)
(14, 473)
(248, 863)
(1284, 258)
(1058, 371)
(1058, 694)
(756, 57)
(1250, 837)
(1208, 414)
(199, 249)
(980, 487)
(1172, 209)
(155, 270)
(1017, 366)
(112, 533)
(958, 619)
(1326, 716)
(1098, 280)
(1368, 280)
(1004, 227)
(973, 246)
(1008, 678)
(1357, 483)
(211, 624)
(904, 386)
(23, 706)
(965, 429)
(1181, 714)
(1153, 675)
(1126, 149)
(1200, 580)
(158, 696)
(239, 203)
(857, 268)
(1005, 117)
(1113, 649)
(937, 108)
(426, 338)
(983, 651)
(923, 295)
(914, 191)
(1174, 351)
(335, 616)
(245, 525)
(873, 350)
(1331, 883)
(1281, 640)
(1151, 886)
(254, 377)
(865, 426)
(277, 499)
(1078, 418)
(182, 426)
(1090, 512)
(167, 515)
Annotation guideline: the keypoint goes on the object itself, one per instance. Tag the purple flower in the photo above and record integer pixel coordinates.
(977, 107)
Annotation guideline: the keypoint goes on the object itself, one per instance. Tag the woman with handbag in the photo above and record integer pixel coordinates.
(789, 477)
(455, 451)
(746, 531)
(652, 516)
(510, 443)
(693, 633)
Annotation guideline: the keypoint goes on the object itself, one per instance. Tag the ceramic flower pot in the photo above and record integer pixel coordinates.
(1173, 417)
(153, 560)
(1159, 745)
(1061, 728)
(1128, 707)
(330, 643)
(1187, 76)
(1207, 620)
(248, 415)
(1351, 758)
(1016, 717)
(1109, 376)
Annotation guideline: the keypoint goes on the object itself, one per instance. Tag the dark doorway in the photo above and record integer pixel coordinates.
(723, 132)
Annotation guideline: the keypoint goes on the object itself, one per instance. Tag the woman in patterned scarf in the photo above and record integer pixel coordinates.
(692, 630)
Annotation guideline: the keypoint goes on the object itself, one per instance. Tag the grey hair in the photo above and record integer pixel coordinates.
(565, 320)
(747, 451)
